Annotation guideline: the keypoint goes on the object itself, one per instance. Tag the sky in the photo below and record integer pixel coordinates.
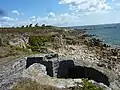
(59, 12)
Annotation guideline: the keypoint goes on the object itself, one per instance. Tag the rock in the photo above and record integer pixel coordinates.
(35, 70)
(115, 85)
(78, 80)
(19, 41)
(11, 73)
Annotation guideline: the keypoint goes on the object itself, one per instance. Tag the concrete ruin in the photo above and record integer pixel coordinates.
(67, 68)
(60, 67)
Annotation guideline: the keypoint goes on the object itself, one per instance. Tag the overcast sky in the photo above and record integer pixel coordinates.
(59, 12)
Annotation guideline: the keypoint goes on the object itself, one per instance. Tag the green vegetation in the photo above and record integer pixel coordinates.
(32, 85)
(28, 28)
(86, 85)
(89, 86)
(13, 51)
(45, 37)
(38, 42)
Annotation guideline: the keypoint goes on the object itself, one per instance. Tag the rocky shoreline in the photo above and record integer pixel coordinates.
(81, 47)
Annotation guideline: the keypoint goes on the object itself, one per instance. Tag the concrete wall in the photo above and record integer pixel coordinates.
(90, 73)
(67, 69)
(55, 67)
(48, 64)
(63, 68)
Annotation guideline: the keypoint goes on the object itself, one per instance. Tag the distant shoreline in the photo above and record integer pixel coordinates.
(104, 41)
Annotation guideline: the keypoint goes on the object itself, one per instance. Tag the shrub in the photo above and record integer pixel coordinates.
(89, 85)
(86, 85)
(38, 42)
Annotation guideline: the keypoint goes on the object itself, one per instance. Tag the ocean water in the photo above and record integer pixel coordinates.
(109, 34)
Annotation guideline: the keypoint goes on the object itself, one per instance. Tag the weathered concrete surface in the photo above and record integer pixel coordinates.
(38, 73)
(55, 67)
(11, 73)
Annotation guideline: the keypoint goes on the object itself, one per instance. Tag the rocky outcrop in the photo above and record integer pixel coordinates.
(20, 41)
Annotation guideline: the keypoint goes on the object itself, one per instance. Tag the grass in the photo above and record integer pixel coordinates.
(86, 85)
(33, 85)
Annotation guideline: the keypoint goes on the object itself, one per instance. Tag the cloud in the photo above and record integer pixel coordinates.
(81, 12)
(86, 5)
(62, 19)
(51, 14)
(17, 12)
(7, 21)
(33, 17)
(6, 24)
(5, 18)
(65, 19)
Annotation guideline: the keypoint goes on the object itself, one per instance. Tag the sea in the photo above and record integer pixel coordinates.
(108, 33)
